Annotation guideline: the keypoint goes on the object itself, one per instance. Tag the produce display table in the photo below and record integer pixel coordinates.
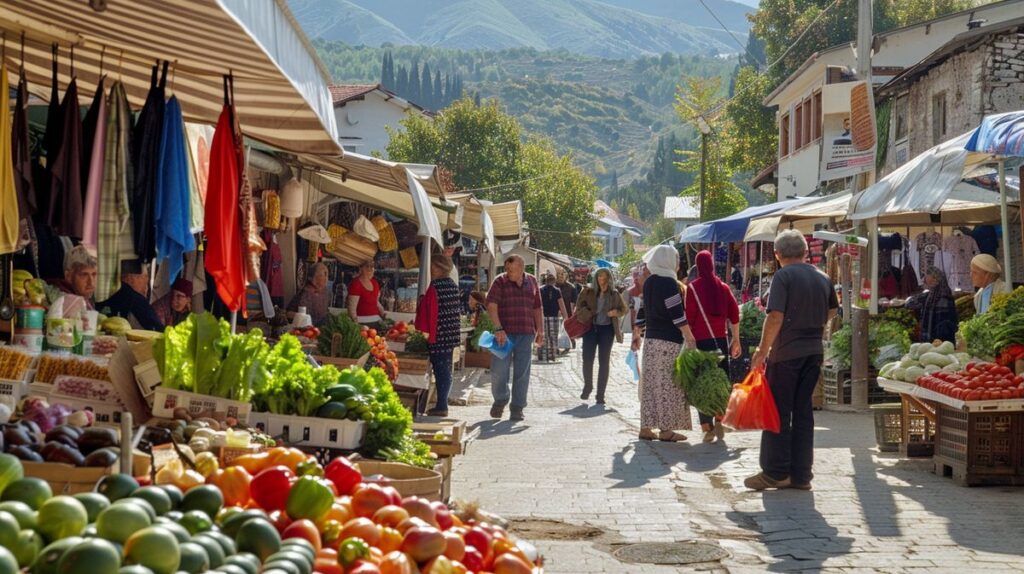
(976, 442)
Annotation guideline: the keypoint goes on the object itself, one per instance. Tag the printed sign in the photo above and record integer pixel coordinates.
(848, 130)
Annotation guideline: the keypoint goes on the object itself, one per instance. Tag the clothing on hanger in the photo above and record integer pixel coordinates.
(172, 235)
(9, 213)
(66, 212)
(928, 247)
(958, 250)
(145, 156)
(93, 179)
(114, 230)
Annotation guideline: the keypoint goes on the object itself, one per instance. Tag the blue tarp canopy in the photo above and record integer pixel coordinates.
(734, 227)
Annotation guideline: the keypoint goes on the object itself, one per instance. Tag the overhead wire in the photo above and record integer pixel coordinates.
(744, 47)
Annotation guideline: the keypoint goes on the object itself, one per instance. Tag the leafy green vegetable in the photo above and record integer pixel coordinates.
(881, 334)
(706, 385)
(751, 320)
(484, 323)
(353, 345)
(416, 343)
(389, 433)
(294, 385)
(412, 451)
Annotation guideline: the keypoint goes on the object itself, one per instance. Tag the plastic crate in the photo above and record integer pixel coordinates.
(918, 436)
(12, 391)
(979, 448)
(311, 431)
(838, 387)
(104, 412)
(888, 426)
(166, 400)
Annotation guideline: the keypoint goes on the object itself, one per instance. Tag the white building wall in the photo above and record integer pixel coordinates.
(362, 123)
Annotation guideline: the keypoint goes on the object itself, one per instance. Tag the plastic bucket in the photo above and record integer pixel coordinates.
(487, 341)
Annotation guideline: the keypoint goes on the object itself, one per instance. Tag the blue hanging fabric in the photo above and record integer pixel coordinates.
(171, 213)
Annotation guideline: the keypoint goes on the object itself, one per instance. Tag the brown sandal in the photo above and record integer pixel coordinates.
(671, 436)
(649, 435)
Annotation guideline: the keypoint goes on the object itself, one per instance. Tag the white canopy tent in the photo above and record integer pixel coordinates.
(280, 86)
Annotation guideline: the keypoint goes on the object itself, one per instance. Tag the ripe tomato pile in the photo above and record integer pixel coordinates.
(977, 382)
(384, 357)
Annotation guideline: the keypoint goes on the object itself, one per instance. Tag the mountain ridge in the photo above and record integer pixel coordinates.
(602, 28)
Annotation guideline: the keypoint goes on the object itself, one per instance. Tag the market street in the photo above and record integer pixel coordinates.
(582, 466)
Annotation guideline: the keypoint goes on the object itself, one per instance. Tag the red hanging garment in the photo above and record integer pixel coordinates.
(221, 223)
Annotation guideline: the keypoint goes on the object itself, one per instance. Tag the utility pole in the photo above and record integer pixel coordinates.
(860, 317)
(705, 130)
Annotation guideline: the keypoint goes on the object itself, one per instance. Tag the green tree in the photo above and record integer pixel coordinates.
(661, 230)
(696, 99)
(630, 256)
(558, 203)
(483, 148)
(753, 137)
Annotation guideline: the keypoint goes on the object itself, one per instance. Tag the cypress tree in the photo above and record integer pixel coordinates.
(402, 82)
(413, 90)
(427, 89)
(438, 90)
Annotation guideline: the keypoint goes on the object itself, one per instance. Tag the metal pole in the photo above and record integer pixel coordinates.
(845, 272)
(703, 171)
(1004, 218)
(873, 238)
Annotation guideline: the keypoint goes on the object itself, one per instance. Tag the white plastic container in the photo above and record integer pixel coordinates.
(311, 431)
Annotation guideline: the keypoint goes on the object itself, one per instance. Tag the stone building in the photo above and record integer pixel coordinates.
(979, 72)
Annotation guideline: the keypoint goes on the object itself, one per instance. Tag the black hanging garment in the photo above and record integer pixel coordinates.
(66, 212)
(145, 154)
(22, 152)
(51, 145)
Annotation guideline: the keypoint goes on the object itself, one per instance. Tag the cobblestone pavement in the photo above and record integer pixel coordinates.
(580, 464)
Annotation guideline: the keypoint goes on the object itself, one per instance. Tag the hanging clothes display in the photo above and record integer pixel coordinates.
(926, 251)
(252, 245)
(958, 250)
(96, 144)
(22, 152)
(986, 238)
(222, 224)
(171, 205)
(272, 267)
(66, 212)
(9, 213)
(51, 144)
(145, 155)
(114, 232)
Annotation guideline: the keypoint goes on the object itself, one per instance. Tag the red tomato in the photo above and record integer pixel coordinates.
(280, 520)
(327, 566)
(363, 567)
(304, 529)
(270, 487)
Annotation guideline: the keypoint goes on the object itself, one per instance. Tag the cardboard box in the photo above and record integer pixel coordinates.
(311, 431)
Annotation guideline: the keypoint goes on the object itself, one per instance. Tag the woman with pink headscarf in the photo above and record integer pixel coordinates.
(711, 310)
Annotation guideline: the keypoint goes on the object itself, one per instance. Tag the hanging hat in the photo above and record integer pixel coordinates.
(662, 260)
(987, 263)
(315, 232)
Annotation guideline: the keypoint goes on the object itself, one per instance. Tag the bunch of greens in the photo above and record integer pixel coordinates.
(899, 315)
(484, 323)
(706, 385)
(965, 307)
(840, 350)
(200, 355)
(751, 320)
(391, 426)
(886, 339)
(353, 344)
(979, 334)
(416, 342)
(412, 451)
(295, 386)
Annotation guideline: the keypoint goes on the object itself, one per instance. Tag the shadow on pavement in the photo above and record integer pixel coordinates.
(648, 462)
(585, 411)
(704, 457)
(793, 530)
(494, 428)
(982, 518)
(877, 502)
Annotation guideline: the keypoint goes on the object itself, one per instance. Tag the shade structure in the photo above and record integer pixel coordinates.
(802, 216)
(280, 86)
(999, 134)
(506, 218)
(733, 227)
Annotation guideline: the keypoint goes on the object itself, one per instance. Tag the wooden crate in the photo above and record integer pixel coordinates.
(413, 364)
(444, 466)
(979, 448)
(478, 359)
(341, 362)
(454, 441)
(69, 479)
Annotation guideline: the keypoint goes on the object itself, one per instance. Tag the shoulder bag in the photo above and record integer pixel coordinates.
(579, 324)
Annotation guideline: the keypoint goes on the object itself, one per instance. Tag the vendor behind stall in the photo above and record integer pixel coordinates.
(986, 273)
(936, 307)
(364, 297)
(315, 296)
(79, 274)
(174, 307)
(131, 300)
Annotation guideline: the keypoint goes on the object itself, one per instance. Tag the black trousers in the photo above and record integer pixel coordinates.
(597, 341)
(721, 345)
(790, 452)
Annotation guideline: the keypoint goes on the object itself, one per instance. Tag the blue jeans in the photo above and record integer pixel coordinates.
(441, 361)
(517, 365)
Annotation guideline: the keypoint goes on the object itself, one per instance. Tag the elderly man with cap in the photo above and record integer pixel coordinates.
(986, 275)
(131, 301)
(174, 307)
(79, 275)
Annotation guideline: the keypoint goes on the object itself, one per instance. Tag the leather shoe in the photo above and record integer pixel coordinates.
(496, 411)
(516, 416)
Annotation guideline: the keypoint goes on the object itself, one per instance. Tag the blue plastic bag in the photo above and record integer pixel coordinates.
(632, 362)
(489, 341)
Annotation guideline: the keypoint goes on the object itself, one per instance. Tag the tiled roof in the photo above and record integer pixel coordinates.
(344, 93)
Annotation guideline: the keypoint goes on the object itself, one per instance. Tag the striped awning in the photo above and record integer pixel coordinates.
(280, 86)
(507, 219)
(376, 172)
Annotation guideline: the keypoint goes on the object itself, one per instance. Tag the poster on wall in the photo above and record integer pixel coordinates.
(848, 130)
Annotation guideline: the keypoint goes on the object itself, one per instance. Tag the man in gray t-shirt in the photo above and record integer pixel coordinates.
(801, 302)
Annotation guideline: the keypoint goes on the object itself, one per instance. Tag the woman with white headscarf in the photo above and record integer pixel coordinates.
(663, 322)
(986, 273)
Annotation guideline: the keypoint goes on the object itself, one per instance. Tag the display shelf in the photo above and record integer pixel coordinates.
(1000, 405)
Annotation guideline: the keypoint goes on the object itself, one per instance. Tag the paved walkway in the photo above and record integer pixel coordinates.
(572, 465)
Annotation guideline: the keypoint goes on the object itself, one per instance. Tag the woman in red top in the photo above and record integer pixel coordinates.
(364, 297)
(710, 309)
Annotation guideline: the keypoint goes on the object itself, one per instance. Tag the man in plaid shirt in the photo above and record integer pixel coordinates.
(513, 303)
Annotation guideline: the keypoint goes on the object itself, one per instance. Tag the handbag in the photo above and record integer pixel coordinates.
(576, 328)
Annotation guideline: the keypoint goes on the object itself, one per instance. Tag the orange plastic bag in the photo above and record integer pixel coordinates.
(752, 406)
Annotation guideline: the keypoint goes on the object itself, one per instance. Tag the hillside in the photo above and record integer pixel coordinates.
(602, 28)
(608, 113)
